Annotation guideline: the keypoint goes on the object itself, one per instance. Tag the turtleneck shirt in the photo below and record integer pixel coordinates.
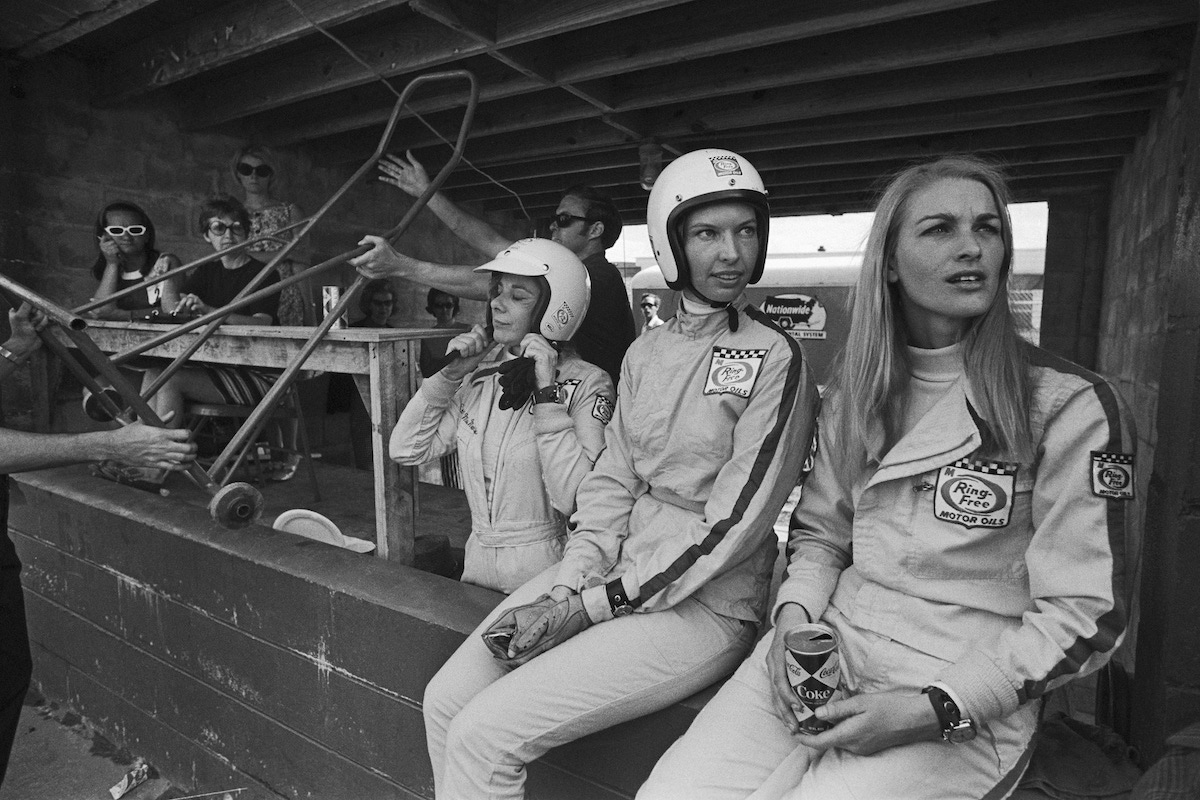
(931, 374)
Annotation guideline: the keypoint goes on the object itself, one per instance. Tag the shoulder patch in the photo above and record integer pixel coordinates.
(602, 409)
(1112, 475)
(734, 371)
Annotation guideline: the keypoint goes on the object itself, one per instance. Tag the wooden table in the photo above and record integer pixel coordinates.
(383, 362)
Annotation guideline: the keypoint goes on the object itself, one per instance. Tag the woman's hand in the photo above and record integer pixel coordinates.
(471, 347)
(867, 723)
(24, 322)
(545, 358)
(783, 697)
(408, 176)
(192, 304)
(110, 251)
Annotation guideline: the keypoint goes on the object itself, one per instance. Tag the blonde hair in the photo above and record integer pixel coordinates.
(872, 373)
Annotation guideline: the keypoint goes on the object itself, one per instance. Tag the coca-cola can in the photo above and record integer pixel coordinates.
(813, 669)
(330, 296)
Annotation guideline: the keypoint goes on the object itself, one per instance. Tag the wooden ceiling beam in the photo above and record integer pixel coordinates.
(1106, 59)
(957, 36)
(1067, 132)
(220, 37)
(695, 110)
(973, 114)
(792, 167)
(781, 189)
(441, 32)
(38, 28)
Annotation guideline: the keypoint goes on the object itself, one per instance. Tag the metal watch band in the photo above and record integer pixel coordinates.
(955, 728)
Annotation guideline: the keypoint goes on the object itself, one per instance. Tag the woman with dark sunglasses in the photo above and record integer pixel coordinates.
(125, 239)
(254, 171)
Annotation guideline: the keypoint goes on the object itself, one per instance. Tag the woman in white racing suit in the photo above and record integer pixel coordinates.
(666, 571)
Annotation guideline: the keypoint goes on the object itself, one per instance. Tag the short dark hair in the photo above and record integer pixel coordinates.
(223, 206)
(434, 294)
(598, 207)
(372, 288)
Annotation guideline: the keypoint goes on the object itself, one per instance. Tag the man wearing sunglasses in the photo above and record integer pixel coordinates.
(586, 222)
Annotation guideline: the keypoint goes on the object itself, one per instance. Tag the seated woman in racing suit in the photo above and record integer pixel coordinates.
(666, 571)
(522, 457)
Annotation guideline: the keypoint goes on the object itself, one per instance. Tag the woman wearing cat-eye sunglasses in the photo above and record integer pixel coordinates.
(125, 239)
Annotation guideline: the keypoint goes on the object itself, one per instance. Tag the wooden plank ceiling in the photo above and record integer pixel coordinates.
(822, 97)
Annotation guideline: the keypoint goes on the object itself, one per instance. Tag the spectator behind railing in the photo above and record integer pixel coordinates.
(255, 170)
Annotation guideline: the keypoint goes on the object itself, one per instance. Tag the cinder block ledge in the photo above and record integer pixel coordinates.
(257, 658)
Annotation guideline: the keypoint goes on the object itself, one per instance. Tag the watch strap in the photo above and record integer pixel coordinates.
(955, 728)
(618, 600)
(547, 394)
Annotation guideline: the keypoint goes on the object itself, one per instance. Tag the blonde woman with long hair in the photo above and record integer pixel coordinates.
(983, 487)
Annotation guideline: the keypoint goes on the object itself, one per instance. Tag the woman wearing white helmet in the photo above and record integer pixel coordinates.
(667, 568)
(526, 429)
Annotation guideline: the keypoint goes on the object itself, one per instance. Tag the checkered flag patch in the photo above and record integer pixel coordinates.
(988, 467)
(728, 352)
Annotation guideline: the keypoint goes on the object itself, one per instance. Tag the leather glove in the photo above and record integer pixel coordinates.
(536, 627)
(518, 381)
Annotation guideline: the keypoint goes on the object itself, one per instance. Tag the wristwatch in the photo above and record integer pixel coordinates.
(956, 728)
(618, 602)
(549, 394)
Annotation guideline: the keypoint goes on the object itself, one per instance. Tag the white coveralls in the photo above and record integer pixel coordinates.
(519, 516)
(711, 429)
(998, 586)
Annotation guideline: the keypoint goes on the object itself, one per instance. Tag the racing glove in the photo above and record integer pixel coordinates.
(527, 631)
(518, 381)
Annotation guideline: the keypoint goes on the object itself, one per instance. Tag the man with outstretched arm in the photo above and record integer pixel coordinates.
(138, 444)
(586, 222)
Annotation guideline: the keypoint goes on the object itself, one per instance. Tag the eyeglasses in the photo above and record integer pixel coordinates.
(262, 170)
(218, 228)
(121, 230)
(565, 220)
(649, 305)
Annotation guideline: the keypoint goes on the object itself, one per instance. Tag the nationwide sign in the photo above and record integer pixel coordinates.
(802, 316)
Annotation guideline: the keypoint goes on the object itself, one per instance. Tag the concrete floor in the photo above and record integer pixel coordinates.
(58, 756)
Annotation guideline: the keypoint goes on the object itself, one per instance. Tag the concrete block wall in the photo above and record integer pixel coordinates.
(1150, 345)
(1137, 278)
(256, 658)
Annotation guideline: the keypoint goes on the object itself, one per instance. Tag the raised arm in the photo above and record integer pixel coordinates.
(410, 177)
(382, 261)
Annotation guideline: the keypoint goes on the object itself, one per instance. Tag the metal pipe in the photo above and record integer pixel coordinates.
(254, 423)
(53, 311)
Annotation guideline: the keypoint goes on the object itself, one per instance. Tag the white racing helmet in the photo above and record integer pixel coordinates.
(567, 288)
(696, 179)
